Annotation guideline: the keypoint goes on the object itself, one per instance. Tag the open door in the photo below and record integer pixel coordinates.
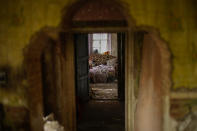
(121, 65)
(81, 66)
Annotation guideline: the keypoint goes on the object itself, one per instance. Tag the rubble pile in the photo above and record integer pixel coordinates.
(52, 125)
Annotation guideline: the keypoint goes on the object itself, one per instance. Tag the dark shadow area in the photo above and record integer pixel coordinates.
(102, 115)
(1, 117)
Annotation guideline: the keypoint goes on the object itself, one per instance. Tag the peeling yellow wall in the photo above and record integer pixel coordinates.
(177, 23)
(175, 19)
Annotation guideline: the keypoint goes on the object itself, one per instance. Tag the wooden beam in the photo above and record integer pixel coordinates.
(100, 29)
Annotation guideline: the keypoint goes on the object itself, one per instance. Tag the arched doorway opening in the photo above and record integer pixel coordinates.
(63, 74)
(103, 17)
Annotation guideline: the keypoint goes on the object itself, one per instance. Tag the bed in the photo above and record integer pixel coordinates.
(103, 68)
(102, 74)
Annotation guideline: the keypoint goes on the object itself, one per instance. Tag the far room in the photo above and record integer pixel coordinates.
(100, 76)
(103, 65)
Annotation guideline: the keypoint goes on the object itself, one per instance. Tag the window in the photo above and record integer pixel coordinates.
(100, 42)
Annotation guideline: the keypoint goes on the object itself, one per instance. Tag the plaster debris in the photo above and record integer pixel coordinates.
(173, 124)
(189, 123)
(51, 124)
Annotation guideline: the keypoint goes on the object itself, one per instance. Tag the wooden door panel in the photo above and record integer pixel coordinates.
(121, 65)
(81, 64)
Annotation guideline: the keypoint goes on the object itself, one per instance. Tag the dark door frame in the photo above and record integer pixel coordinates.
(129, 86)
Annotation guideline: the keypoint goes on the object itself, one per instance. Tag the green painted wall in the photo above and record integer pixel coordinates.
(20, 19)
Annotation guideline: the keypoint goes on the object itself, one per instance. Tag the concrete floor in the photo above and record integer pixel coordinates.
(102, 115)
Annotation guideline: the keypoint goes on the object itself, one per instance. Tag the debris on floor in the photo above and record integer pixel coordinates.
(52, 125)
(189, 123)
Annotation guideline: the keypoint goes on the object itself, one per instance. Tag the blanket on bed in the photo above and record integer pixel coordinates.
(102, 74)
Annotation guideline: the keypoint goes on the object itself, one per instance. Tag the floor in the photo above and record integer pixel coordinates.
(101, 115)
(104, 91)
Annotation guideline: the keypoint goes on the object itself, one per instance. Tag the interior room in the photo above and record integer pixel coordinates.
(99, 56)
(103, 65)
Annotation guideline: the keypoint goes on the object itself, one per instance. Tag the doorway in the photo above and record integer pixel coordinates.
(99, 75)
(103, 66)
(98, 20)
